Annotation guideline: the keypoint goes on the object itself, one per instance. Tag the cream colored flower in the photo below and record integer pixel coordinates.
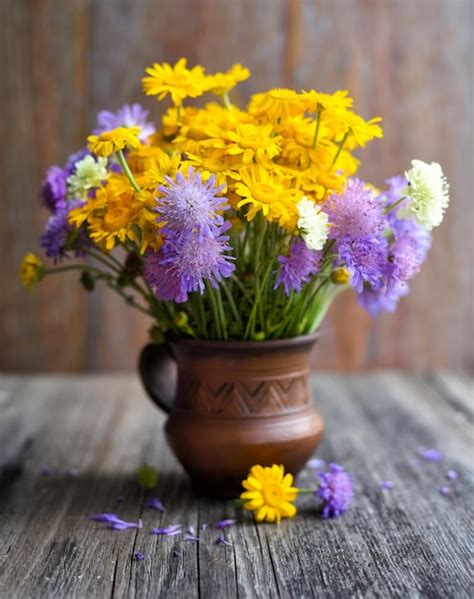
(88, 173)
(428, 191)
(312, 223)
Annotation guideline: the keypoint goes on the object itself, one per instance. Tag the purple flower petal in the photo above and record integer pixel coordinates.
(223, 541)
(115, 523)
(387, 484)
(336, 490)
(203, 526)
(138, 555)
(451, 475)
(193, 538)
(223, 524)
(444, 490)
(168, 531)
(430, 455)
(155, 504)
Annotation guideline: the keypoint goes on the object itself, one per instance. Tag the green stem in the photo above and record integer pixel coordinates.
(341, 145)
(127, 171)
(316, 133)
(215, 309)
(390, 208)
(232, 305)
(226, 100)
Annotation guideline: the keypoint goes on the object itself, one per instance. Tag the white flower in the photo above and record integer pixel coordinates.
(88, 173)
(312, 223)
(428, 192)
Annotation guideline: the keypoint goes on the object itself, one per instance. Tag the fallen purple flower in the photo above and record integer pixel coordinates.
(155, 504)
(191, 535)
(444, 490)
(316, 464)
(451, 475)
(387, 484)
(430, 455)
(168, 531)
(223, 541)
(223, 524)
(114, 522)
(138, 555)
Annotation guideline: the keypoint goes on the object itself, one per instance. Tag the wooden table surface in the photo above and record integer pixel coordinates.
(410, 541)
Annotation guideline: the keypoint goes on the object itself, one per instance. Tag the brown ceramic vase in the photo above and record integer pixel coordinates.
(233, 404)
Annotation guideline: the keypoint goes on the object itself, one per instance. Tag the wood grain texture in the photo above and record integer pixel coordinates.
(410, 62)
(407, 542)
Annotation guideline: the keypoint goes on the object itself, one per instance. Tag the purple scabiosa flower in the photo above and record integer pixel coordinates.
(189, 205)
(365, 259)
(355, 214)
(168, 531)
(184, 263)
(223, 524)
(53, 187)
(155, 504)
(57, 230)
(138, 556)
(133, 115)
(336, 490)
(297, 267)
(430, 455)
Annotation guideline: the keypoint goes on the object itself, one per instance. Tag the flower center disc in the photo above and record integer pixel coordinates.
(273, 494)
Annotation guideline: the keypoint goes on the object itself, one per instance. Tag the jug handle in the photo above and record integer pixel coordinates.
(158, 371)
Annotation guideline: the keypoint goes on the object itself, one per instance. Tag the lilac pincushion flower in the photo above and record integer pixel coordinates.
(336, 490)
(354, 214)
(133, 115)
(189, 205)
(297, 267)
(366, 260)
(184, 263)
(54, 187)
(57, 231)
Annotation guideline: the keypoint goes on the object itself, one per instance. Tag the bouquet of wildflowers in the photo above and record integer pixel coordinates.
(231, 223)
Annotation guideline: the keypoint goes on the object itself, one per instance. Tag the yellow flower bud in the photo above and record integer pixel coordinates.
(340, 276)
(31, 271)
(181, 320)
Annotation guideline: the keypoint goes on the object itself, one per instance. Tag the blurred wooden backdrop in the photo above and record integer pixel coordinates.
(409, 61)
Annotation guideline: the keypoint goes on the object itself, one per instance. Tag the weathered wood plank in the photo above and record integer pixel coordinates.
(410, 541)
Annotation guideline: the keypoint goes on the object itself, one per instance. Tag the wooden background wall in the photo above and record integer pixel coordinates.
(409, 61)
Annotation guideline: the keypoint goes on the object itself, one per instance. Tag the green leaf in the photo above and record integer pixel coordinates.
(87, 281)
(147, 477)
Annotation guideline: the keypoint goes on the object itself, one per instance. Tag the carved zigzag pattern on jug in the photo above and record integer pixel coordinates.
(239, 398)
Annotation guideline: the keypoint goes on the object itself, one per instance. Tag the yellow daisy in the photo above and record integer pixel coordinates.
(337, 101)
(222, 83)
(178, 81)
(251, 142)
(111, 141)
(269, 493)
(31, 271)
(264, 191)
(276, 104)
